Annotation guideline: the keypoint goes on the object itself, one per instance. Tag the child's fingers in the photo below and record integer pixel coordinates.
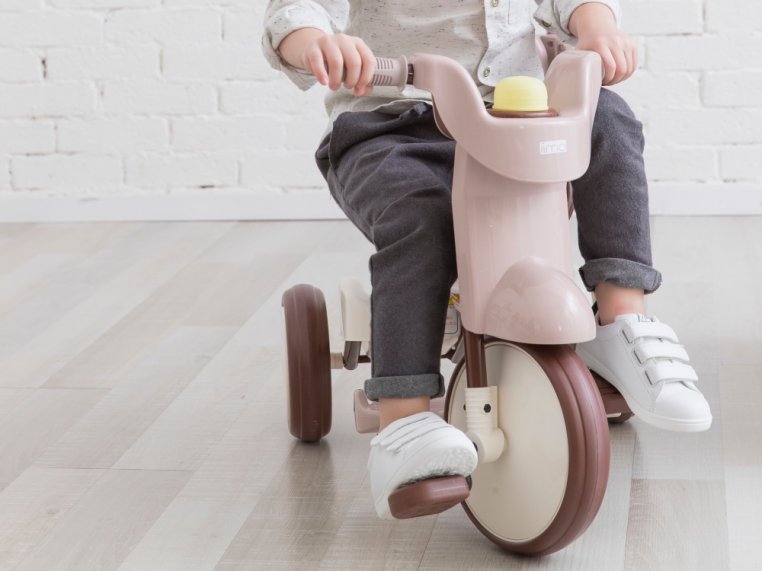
(352, 65)
(335, 61)
(602, 46)
(628, 56)
(317, 65)
(620, 61)
(618, 54)
(368, 69)
(340, 59)
(633, 58)
(609, 65)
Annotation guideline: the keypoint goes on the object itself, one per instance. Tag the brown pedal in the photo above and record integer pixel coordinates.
(430, 496)
(613, 401)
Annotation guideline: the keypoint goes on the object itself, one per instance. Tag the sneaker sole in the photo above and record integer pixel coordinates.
(668, 423)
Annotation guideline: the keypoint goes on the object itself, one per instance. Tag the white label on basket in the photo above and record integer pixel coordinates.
(553, 147)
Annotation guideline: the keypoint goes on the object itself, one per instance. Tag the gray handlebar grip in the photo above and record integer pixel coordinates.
(392, 71)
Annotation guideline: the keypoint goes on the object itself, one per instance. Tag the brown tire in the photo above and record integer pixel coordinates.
(307, 363)
(547, 486)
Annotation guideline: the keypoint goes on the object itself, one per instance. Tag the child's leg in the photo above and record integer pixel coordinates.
(636, 353)
(392, 176)
(611, 202)
(615, 300)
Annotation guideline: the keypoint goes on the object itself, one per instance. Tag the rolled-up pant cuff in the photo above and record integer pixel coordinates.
(624, 273)
(403, 386)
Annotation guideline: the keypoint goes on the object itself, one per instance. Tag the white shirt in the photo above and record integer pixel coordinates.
(490, 38)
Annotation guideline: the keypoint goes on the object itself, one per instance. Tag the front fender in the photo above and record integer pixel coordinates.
(536, 303)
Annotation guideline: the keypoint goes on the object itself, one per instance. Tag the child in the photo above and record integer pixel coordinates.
(390, 170)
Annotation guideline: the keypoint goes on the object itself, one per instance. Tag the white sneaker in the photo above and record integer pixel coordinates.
(641, 357)
(413, 448)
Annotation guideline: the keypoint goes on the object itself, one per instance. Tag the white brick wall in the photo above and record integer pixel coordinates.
(5, 174)
(85, 172)
(701, 88)
(141, 97)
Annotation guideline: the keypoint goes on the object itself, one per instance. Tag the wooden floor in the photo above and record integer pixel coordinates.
(143, 421)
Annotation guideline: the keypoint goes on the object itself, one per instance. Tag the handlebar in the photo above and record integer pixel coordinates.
(399, 72)
(573, 82)
(392, 71)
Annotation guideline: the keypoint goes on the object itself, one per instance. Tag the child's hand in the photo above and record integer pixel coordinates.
(596, 30)
(328, 56)
(618, 52)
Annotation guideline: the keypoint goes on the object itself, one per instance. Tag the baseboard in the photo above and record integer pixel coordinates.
(728, 199)
(666, 199)
(198, 206)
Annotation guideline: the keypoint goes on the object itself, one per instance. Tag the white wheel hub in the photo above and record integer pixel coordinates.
(517, 497)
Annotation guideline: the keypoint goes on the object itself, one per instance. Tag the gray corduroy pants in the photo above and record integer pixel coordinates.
(392, 176)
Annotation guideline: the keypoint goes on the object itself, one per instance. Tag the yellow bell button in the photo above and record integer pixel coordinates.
(520, 93)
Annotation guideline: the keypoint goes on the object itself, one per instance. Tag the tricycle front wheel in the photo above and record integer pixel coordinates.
(548, 484)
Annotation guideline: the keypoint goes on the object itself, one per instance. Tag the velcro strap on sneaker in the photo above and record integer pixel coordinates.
(634, 330)
(653, 349)
(670, 371)
(404, 424)
(411, 431)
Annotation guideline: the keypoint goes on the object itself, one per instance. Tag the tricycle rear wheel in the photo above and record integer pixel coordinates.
(307, 363)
